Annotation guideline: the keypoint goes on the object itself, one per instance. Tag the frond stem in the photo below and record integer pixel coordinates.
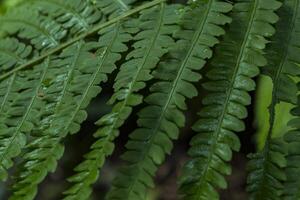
(80, 37)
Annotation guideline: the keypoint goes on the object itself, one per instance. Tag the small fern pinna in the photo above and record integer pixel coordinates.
(151, 58)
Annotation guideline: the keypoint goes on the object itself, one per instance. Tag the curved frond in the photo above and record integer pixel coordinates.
(282, 54)
(15, 110)
(76, 16)
(160, 120)
(283, 64)
(266, 173)
(152, 42)
(42, 31)
(67, 94)
(292, 183)
(19, 108)
(25, 33)
(55, 56)
(230, 79)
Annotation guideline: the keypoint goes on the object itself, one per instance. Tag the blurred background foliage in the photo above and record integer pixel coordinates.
(262, 102)
(76, 146)
(7, 4)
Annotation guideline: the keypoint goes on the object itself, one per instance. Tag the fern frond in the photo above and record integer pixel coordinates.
(26, 111)
(292, 183)
(42, 31)
(265, 179)
(56, 54)
(76, 16)
(13, 53)
(230, 79)
(68, 94)
(160, 121)
(42, 35)
(113, 8)
(152, 42)
(264, 182)
(75, 39)
(18, 112)
(282, 61)
(14, 109)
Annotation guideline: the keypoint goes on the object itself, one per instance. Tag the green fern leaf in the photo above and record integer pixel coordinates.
(282, 64)
(266, 180)
(19, 93)
(236, 62)
(76, 16)
(160, 121)
(292, 183)
(43, 31)
(55, 55)
(31, 107)
(15, 117)
(15, 111)
(151, 43)
(79, 87)
(13, 53)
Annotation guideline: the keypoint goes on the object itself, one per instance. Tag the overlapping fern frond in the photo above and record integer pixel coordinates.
(236, 61)
(44, 92)
(55, 56)
(151, 42)
(292, 138)
(159, 122)
(67, 99)
(267, 175)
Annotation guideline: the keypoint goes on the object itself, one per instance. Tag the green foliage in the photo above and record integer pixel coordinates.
(151, 43)
(291, 186)
(55, 57)
(266, 174)
(266, 177)
(224, 106)
(160, 120)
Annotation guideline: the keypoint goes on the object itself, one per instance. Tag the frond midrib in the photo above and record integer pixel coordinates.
(93, 30)
(84, 95)
(146, 56)
(160, 24)
(76, 57)
(264, 171)
(276, 81)
(27, 112)
(8, 92)
(228, 95)
(276, 85)
(297, 194)
(94, 77)
(198, 191)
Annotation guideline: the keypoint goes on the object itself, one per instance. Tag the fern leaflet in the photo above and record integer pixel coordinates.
(224, 107)
(31, 107)
(156, 24)
(292, 183)
(160, 121)
(267, 177)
